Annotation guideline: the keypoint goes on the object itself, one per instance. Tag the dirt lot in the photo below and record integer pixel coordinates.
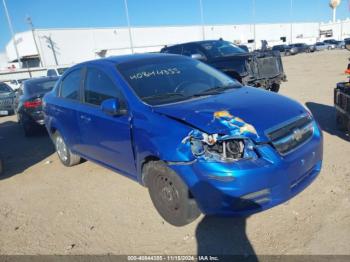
(46, 208)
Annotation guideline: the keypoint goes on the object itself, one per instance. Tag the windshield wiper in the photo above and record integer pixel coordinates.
(214, 90)
(164, 95)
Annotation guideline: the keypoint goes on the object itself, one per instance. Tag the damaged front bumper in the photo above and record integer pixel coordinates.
(251, 185)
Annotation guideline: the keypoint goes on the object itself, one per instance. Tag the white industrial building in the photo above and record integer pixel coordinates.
(70, 46)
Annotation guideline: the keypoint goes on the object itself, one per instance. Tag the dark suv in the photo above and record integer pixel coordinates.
(7, 96)
(259, 69)
(285, 49)
(302, 48)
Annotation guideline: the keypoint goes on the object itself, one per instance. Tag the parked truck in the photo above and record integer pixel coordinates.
(259, 68)
(342, 100)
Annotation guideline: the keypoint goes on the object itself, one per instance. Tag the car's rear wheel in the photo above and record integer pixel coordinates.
(169, 194)
(64, 153)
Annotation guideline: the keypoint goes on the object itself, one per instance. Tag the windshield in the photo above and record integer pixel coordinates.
(221, 48)
(5, 88)
(171, 79)
(39, 87)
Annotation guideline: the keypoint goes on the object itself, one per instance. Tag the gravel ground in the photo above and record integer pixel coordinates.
(46, 208)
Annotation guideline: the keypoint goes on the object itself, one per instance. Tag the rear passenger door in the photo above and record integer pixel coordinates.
(105, 138)
(67, 106)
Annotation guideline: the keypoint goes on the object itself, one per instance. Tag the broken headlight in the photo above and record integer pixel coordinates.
(223, 150)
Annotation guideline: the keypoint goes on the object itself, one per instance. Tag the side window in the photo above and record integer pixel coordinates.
(99, 87)
(191, 50)
(174, 50)
(70, 85)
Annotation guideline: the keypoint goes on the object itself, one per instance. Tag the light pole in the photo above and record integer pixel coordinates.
(12, 33)
(129, 28)
(291, 22)
(30, 22)
(51, 45)
(254, 24)
(202, 18)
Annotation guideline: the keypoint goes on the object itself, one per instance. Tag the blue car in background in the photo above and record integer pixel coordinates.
(199, 140)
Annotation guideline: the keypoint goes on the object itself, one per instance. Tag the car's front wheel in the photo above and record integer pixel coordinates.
(169, 194)
(64, 153)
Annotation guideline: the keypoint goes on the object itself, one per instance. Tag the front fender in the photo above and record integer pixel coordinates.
(160, 137)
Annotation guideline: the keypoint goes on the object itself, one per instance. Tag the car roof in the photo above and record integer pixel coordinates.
(197, 42)
(121, 59)
(40, 79)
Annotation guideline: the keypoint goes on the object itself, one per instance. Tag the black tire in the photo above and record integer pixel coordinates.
(275, 87)
(169, 194)
(341, 121)
(64, 153)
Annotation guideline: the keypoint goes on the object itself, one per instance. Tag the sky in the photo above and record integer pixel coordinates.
(109, 13)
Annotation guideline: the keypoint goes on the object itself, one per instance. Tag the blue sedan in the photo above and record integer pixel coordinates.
(197, 139)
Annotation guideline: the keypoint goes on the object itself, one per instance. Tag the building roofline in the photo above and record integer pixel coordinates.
(179, 25)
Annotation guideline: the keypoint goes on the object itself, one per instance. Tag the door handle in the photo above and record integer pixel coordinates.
(85, 118)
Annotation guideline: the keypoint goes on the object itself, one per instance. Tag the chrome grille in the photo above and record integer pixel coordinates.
(6, 101)
(292, 134)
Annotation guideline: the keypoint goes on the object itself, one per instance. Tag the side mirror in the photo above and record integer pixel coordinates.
(347, 44)
(199, 57)
(111, 107)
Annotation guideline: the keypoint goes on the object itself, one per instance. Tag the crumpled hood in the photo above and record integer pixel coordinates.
(257, 108)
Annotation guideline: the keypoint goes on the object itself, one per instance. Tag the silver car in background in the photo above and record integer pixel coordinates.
(320, 46)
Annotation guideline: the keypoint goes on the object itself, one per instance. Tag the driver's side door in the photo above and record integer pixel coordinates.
(105, 138)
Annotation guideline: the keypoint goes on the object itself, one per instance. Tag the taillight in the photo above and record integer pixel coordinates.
(32, 104)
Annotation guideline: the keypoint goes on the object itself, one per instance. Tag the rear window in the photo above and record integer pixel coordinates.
(40, 87)
(173, 50)
(221, 48)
